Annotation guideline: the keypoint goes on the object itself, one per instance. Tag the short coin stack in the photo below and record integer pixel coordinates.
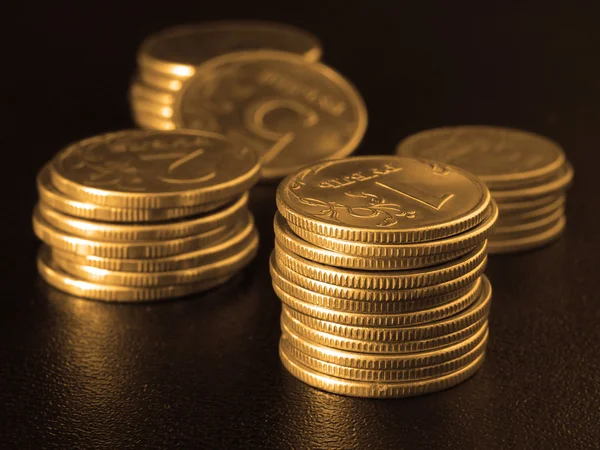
(527, 174)
(170, 57)
(145, 215)
(379, 264)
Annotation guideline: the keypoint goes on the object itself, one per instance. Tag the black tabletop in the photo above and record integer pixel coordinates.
(203, 372)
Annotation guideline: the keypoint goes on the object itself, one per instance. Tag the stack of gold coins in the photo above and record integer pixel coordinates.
(170, 57)
(379, 263)
(145, 215)
(291, 110)
(527, 174)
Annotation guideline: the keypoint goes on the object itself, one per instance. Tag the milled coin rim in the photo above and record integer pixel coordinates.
(148, 122)
(530, 226)
(517, 206)
(160, 81)
(561, 183)
(529, 242)
(377, 389)
(139, 90)
(184, 197)
(152, 109)
(498, 180)
(531, 214)
(353, 96)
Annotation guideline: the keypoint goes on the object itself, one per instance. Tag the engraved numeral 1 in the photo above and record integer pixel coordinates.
(432, 201)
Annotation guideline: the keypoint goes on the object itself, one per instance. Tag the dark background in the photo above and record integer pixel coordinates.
(204, 372)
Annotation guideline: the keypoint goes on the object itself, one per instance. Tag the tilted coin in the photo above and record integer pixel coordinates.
(217, 269)
(513, 217)
(50, 196)
(289, 241)
(233, 212)
(526, 204)
(383, 200)
(152, 122)
(557, 184)
(290, 112)
(152, 169)
(531, 226)
(177, 51)
(389, 375)
(379, 347)
(139, 90)
(127, 249)
(377, 390)
(379, 320)
(61, 280)
(238, 237)
(401, 279)
(501, 157)
(386, 361)
(383, 295)
(520, 243)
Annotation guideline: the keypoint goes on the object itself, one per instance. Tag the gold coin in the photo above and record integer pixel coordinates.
(50, 196)
(160, 81)
(140, 91)
(289, 241)
(383, 295)
(361, 306)
(530, 226)
(233, 212)
(238, 237)
(291, 113)
(401, 279)
(518, 206)
(400, 361)
(59, 279)
(218, 269)
(501, 157)
(177, 51)
(527, 242)
(390, 375)
(557, 184)
(142, 106)
(465, 318)
(531, 214)
(152, 169)
(379, 389)
(123, 250)
(151, 122)
(383, 200)
(378, 320)
(379, 347)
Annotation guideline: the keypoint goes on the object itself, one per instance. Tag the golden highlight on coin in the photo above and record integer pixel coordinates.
(146, 215)
(379, 263)
(528, 176)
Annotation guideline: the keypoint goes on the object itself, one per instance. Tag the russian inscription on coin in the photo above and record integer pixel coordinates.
(384, 194)
(154, 169)
(497, 155)
(292, 113)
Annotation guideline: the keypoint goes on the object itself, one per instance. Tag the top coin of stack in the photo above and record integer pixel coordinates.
(527, 174)
(145, 215)
(170, 57)
(291, 110)
(379, 264)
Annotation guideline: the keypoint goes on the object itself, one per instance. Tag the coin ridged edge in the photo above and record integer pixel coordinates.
(529, 242)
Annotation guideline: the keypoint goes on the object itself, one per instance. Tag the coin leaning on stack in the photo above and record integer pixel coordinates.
(260, 86)
(527, 174)
(379, 264)
(145, 215)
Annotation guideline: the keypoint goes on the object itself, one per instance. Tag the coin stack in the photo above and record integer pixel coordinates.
(170, 57)
(527, 174)
(379, 263)
(145, 215)
(258, 84)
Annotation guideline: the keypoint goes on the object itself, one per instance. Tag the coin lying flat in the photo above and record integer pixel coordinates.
(501, 157)
(513, 217)
(524, 205)
(150, 108)
(157, 80)
(56, 277)
(152, 122)
(149, 169)
(177, 51)
(383, 200)
(556, 184)
(530, 225)
(520, 243)
(290, 112)
(140, 91)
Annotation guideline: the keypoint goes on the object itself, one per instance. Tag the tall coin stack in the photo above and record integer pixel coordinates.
(145, 215)
(379, 263)
(256, 83)
(527, 174)
(170, 57)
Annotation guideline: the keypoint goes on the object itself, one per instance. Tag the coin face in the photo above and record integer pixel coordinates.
(177, 51)
(292, 113)
(154, 169)
(500, 156)
(383, 199)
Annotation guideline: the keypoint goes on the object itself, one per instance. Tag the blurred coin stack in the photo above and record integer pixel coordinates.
(258, 84)
(145, 215)
(527, 174)
(170, 57)
(379, 263)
